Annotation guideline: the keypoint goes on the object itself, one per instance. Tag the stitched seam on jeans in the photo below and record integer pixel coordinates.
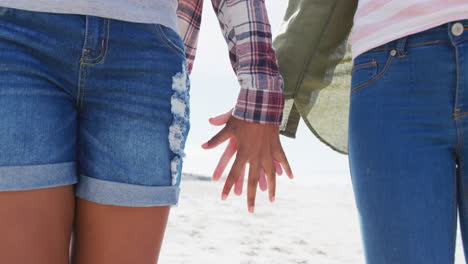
(462, 165)
(457, 115)
(460, 40)
(387, 65)
(455, 207)
(80, 68)
(103, 54)
(458, 148)
(81, 85)
(364, 65)
(98, 56)
(167, 41)
(411, 45)
(83, 88)
(427, 43)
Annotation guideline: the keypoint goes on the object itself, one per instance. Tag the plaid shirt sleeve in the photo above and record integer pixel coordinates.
(247, 31)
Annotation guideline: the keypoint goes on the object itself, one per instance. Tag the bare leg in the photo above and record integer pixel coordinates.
(35, 225)
(106, 234)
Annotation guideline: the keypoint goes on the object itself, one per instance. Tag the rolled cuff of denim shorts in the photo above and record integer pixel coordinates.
(29, 177)
(124, 194)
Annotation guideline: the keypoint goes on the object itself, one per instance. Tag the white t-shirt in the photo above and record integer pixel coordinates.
(143, 11)
(380, 21)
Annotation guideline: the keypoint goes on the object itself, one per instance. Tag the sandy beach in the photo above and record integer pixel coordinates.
(308, 223)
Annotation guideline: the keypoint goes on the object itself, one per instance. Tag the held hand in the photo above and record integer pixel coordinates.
(229, 152)
(256, 144)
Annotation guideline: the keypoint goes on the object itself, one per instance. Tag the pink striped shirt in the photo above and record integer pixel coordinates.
(380, 21)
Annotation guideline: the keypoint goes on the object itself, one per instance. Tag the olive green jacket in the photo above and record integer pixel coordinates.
(315, 61)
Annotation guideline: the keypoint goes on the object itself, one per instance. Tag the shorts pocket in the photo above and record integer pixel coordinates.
(369, 67)
(170, 38)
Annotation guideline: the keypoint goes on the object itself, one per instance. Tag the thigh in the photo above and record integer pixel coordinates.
(107, 234)
(401, 154)
(36, 225)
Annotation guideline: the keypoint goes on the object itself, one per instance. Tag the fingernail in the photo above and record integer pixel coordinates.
(205, 145)
(224, 196)
(272, 199)
(251, 209)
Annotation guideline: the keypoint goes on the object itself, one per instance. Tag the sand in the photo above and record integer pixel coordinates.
(308, 223)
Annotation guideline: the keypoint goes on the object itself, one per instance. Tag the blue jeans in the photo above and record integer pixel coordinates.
(408, 140)
(95, 102)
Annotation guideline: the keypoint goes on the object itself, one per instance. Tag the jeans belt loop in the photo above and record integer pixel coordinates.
(401, 46)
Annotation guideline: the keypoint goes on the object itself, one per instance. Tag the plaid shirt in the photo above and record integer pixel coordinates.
(246, 29)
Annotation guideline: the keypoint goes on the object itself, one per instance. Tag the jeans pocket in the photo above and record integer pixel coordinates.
(370, 67)
(363, 72)
(170, 38)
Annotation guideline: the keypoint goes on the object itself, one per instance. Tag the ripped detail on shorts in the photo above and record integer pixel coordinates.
(180, 123)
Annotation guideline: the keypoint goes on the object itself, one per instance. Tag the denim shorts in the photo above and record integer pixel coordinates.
(92, 101)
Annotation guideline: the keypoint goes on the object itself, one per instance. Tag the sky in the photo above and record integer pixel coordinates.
(214, 90)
